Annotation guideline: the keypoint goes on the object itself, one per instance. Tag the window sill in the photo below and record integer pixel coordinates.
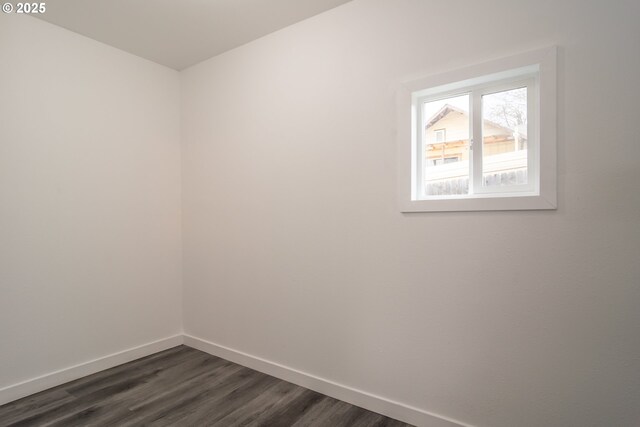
(507, 202)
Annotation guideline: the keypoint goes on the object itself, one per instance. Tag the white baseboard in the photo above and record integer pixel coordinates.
(381, 405)
(351, 395)
(35, 385)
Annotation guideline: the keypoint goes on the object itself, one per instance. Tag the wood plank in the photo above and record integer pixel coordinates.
(34, 405)
(279, 395)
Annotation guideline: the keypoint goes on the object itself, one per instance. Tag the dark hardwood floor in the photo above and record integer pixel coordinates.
(184, 387)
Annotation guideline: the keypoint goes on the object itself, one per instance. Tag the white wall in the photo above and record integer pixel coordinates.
(89, 200)
(295, 250)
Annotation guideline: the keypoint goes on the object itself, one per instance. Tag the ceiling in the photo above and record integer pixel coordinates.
(180, 33)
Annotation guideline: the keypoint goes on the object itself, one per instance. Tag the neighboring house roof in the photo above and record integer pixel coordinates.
(440, 114)
(448, 108)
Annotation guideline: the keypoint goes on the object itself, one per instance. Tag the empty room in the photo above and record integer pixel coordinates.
(320, 213)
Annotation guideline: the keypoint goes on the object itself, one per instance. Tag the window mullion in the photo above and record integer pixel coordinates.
(533, 145)
(475, 174)
(419, 150)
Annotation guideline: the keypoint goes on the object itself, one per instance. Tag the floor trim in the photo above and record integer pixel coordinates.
(41, 383)
(351, 395)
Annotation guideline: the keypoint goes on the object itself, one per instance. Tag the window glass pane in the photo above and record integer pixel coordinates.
(504, 138)
(446, 146)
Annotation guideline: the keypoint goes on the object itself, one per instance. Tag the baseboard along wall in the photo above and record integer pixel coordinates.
(372, 402)
(53, 379)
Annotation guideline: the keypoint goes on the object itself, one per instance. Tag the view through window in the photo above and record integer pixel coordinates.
(447, 124)
(446, 147)
(504, 138)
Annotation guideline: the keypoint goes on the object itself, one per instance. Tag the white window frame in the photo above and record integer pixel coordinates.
(535, 70)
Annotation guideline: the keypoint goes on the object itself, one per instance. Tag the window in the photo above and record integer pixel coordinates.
(481, 138)
(503, 111)
(436, 162)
